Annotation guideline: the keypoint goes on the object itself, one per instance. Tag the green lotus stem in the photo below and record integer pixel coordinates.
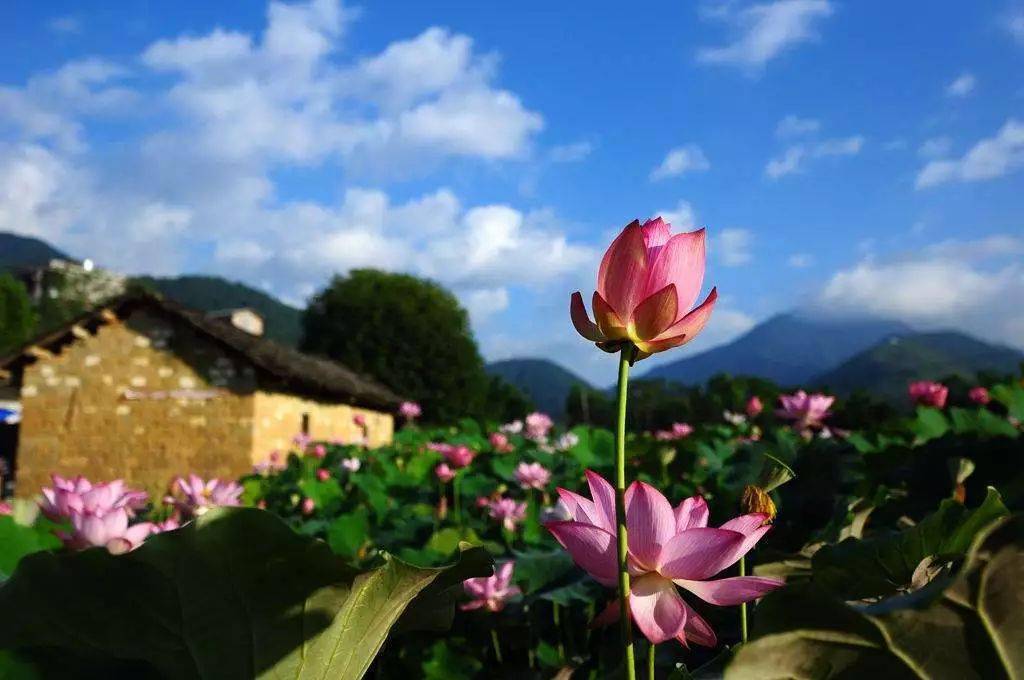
(496, 644)
(558, 629)
(622, 541)
(650, 661)
(743, 606)
(456, 503)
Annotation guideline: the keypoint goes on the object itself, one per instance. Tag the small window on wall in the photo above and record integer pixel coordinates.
(305, 423)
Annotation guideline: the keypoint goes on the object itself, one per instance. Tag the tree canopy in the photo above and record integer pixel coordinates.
(410, 334)
(17, 318)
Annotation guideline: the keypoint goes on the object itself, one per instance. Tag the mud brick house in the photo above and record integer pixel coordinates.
(145, 389)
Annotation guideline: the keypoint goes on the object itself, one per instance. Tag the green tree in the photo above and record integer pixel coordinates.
(17, 318)
(408, 333)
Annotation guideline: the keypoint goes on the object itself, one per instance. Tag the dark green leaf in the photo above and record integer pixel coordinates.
(884, 563)
(235, 594)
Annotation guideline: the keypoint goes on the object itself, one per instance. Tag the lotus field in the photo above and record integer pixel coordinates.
(786, 535)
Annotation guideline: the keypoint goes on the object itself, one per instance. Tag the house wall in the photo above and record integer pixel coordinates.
(146, 399)
(143, 399)
(278, 418)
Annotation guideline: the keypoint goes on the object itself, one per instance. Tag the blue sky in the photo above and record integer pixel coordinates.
(847, 157)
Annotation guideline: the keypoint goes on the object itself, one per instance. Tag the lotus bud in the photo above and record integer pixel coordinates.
(647, 285)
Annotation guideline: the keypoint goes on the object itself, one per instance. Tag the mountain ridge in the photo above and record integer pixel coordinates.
(544, 381)
(886, 368)
(18, 251)
(788, 349)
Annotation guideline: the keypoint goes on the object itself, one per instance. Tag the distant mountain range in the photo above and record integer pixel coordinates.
(545, 382)
(207, 293)
(841, 357)
(787, 349)
(792, 350)
(886, 368)
(25, 251)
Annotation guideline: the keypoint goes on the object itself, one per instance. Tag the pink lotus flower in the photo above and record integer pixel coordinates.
(323, 475)
(491, 592)
(199, 496)
(459, 456)
(273, 462)
(308, 506)
(6, 509)
(410, 410)
(320, 451)
(532, 476)
(678, 431)
(352, 464)
(444, 473)
(928, 393)
(754, 407)
(107, 529)
(508, 512)
(647, 282)
(499, 442)
(169, 524)
(360, 420)
(538, 425)
(806, 410)
(667, 548)
(515, 427)
(99, 514)
(979, 395)
(69, 497)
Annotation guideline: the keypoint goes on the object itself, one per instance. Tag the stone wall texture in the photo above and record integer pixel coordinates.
(278, 417)
(146, 399)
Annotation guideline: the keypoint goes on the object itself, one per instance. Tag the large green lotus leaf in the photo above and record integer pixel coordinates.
(962, 627)
(236, 594)
(17, 540)
(884, 563)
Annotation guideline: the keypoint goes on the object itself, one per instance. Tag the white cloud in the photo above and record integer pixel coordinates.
(800, 260)
(990, 158)
(679, 161)
(682, 217)
(765, 30)
(794, 126)
(733, 246)
(32, 183)
(479, 123)
(286, 96)
(787, 163)
(64, 25)
(1015, 26)
(231, 110)
(48, 107)
(570, 153)
(989, 247)
(485, 302)
(961, 285)
(935, 147)
(795, 157)
(961, 86)
(726, 325)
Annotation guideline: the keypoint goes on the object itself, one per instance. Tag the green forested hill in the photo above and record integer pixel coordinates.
(545, 382)
(209, 293)
(886, 368)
